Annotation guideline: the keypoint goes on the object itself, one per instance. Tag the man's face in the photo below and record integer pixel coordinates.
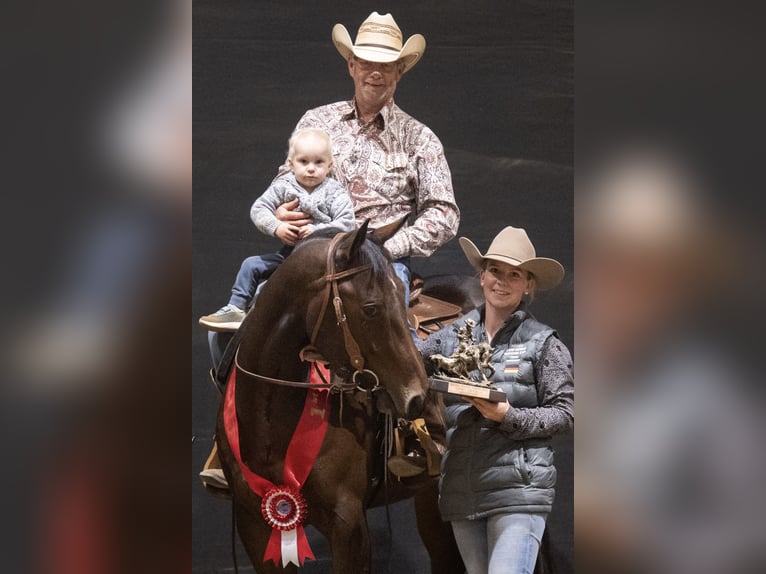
(374, 82)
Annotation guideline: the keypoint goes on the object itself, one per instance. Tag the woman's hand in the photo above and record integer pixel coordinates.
(490, 410)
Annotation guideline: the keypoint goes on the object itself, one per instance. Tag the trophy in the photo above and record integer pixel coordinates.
(468, 370)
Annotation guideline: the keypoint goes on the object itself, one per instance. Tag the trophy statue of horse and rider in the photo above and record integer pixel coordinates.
(468, 371)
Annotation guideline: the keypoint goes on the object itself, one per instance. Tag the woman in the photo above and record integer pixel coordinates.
(497, 483)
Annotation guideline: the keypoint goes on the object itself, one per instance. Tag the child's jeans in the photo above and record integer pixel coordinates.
(253, 271)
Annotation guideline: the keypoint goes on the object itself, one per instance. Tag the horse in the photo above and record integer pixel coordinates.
(368, 347)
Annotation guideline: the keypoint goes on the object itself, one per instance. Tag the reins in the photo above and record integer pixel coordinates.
(297, 384)
(331, 280)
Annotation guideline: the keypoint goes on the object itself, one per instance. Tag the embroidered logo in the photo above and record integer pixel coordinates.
(512, 358)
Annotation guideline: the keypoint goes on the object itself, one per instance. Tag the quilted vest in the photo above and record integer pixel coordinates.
(484, 470)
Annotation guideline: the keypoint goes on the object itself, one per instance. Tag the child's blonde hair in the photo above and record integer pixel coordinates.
(298, 134)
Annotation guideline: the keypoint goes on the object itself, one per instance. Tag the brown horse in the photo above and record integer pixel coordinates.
(294, 314)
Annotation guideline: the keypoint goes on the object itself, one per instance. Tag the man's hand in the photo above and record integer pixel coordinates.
(288, 233)
(488, 409)
(286, 214)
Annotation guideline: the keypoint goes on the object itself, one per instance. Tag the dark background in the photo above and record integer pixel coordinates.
(496, 84)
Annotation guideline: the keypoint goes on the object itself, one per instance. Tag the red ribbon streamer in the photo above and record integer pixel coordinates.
(299, 459)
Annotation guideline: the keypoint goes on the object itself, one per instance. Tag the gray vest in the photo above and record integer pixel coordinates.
(484, 470)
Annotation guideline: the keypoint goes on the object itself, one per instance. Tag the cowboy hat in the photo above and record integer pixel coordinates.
(379, 39)
(512, 246)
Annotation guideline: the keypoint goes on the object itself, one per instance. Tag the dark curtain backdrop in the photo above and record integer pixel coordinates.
(496, 85)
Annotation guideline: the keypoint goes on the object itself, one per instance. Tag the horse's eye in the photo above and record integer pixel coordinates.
(370, 310)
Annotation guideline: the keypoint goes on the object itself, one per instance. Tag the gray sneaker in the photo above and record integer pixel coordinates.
(227, 318)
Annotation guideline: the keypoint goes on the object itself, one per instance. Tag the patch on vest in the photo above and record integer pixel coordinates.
(512, 358)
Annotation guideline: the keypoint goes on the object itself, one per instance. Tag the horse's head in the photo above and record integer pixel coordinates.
(372, 301)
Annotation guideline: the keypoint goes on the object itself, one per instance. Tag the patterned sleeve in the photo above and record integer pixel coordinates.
(264, 208)
(310, 119)
(437, 213)
(431, 345)
(555, 389)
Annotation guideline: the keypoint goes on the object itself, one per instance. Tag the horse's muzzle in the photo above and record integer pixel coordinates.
(415, 407)
(410, 410)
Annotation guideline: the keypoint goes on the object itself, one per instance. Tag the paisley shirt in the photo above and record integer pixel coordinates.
(392, 167)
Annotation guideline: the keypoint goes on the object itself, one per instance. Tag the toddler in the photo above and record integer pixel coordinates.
(323, 199)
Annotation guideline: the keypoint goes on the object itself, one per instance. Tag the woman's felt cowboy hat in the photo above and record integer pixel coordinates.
(379, 39)
(512, 246)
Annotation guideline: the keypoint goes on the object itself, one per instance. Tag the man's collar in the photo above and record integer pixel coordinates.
(350, 110)
(381, 119)
(386, 112)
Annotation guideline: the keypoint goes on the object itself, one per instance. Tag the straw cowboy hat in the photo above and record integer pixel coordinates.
(512, 246)
(379, 39)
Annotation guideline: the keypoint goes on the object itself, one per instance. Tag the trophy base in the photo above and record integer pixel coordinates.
(459, 387)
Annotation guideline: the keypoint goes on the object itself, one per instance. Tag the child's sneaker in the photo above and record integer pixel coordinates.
(227, 318)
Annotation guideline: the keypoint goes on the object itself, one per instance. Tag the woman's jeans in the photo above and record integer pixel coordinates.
(500, 544)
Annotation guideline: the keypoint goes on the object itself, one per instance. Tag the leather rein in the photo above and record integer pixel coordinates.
(331, 279)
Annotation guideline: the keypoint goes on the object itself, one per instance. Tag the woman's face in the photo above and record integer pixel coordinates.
(504, 285)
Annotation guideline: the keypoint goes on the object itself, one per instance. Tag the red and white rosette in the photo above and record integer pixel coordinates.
(284, 509)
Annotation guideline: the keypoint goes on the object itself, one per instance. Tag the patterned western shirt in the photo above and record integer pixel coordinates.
(392, 167)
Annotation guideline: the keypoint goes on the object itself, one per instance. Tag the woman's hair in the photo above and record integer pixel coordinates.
(531, 294)
(302, 133)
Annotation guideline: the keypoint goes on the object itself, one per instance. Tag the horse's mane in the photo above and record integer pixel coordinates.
(370, 253)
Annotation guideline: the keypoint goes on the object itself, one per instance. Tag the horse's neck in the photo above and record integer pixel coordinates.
(274, 335)
(276, 331)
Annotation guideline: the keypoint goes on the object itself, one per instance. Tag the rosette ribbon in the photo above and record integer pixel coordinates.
(283, 506)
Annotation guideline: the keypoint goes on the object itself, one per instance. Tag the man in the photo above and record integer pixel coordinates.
(392, 165)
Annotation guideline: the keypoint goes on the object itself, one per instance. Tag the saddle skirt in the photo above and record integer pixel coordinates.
(428, 314)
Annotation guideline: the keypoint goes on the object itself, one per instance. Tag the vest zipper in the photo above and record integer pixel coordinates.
(524, 467)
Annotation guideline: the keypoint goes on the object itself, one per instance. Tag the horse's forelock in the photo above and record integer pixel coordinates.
(369, 253)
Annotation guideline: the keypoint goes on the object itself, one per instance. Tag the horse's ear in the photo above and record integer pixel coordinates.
(359, 238)
(383, 234)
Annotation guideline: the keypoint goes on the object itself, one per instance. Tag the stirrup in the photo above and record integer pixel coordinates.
(213, 479)
(402, 464)
(433, 454)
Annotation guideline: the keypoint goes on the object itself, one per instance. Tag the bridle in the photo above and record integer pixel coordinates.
(331, 279)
